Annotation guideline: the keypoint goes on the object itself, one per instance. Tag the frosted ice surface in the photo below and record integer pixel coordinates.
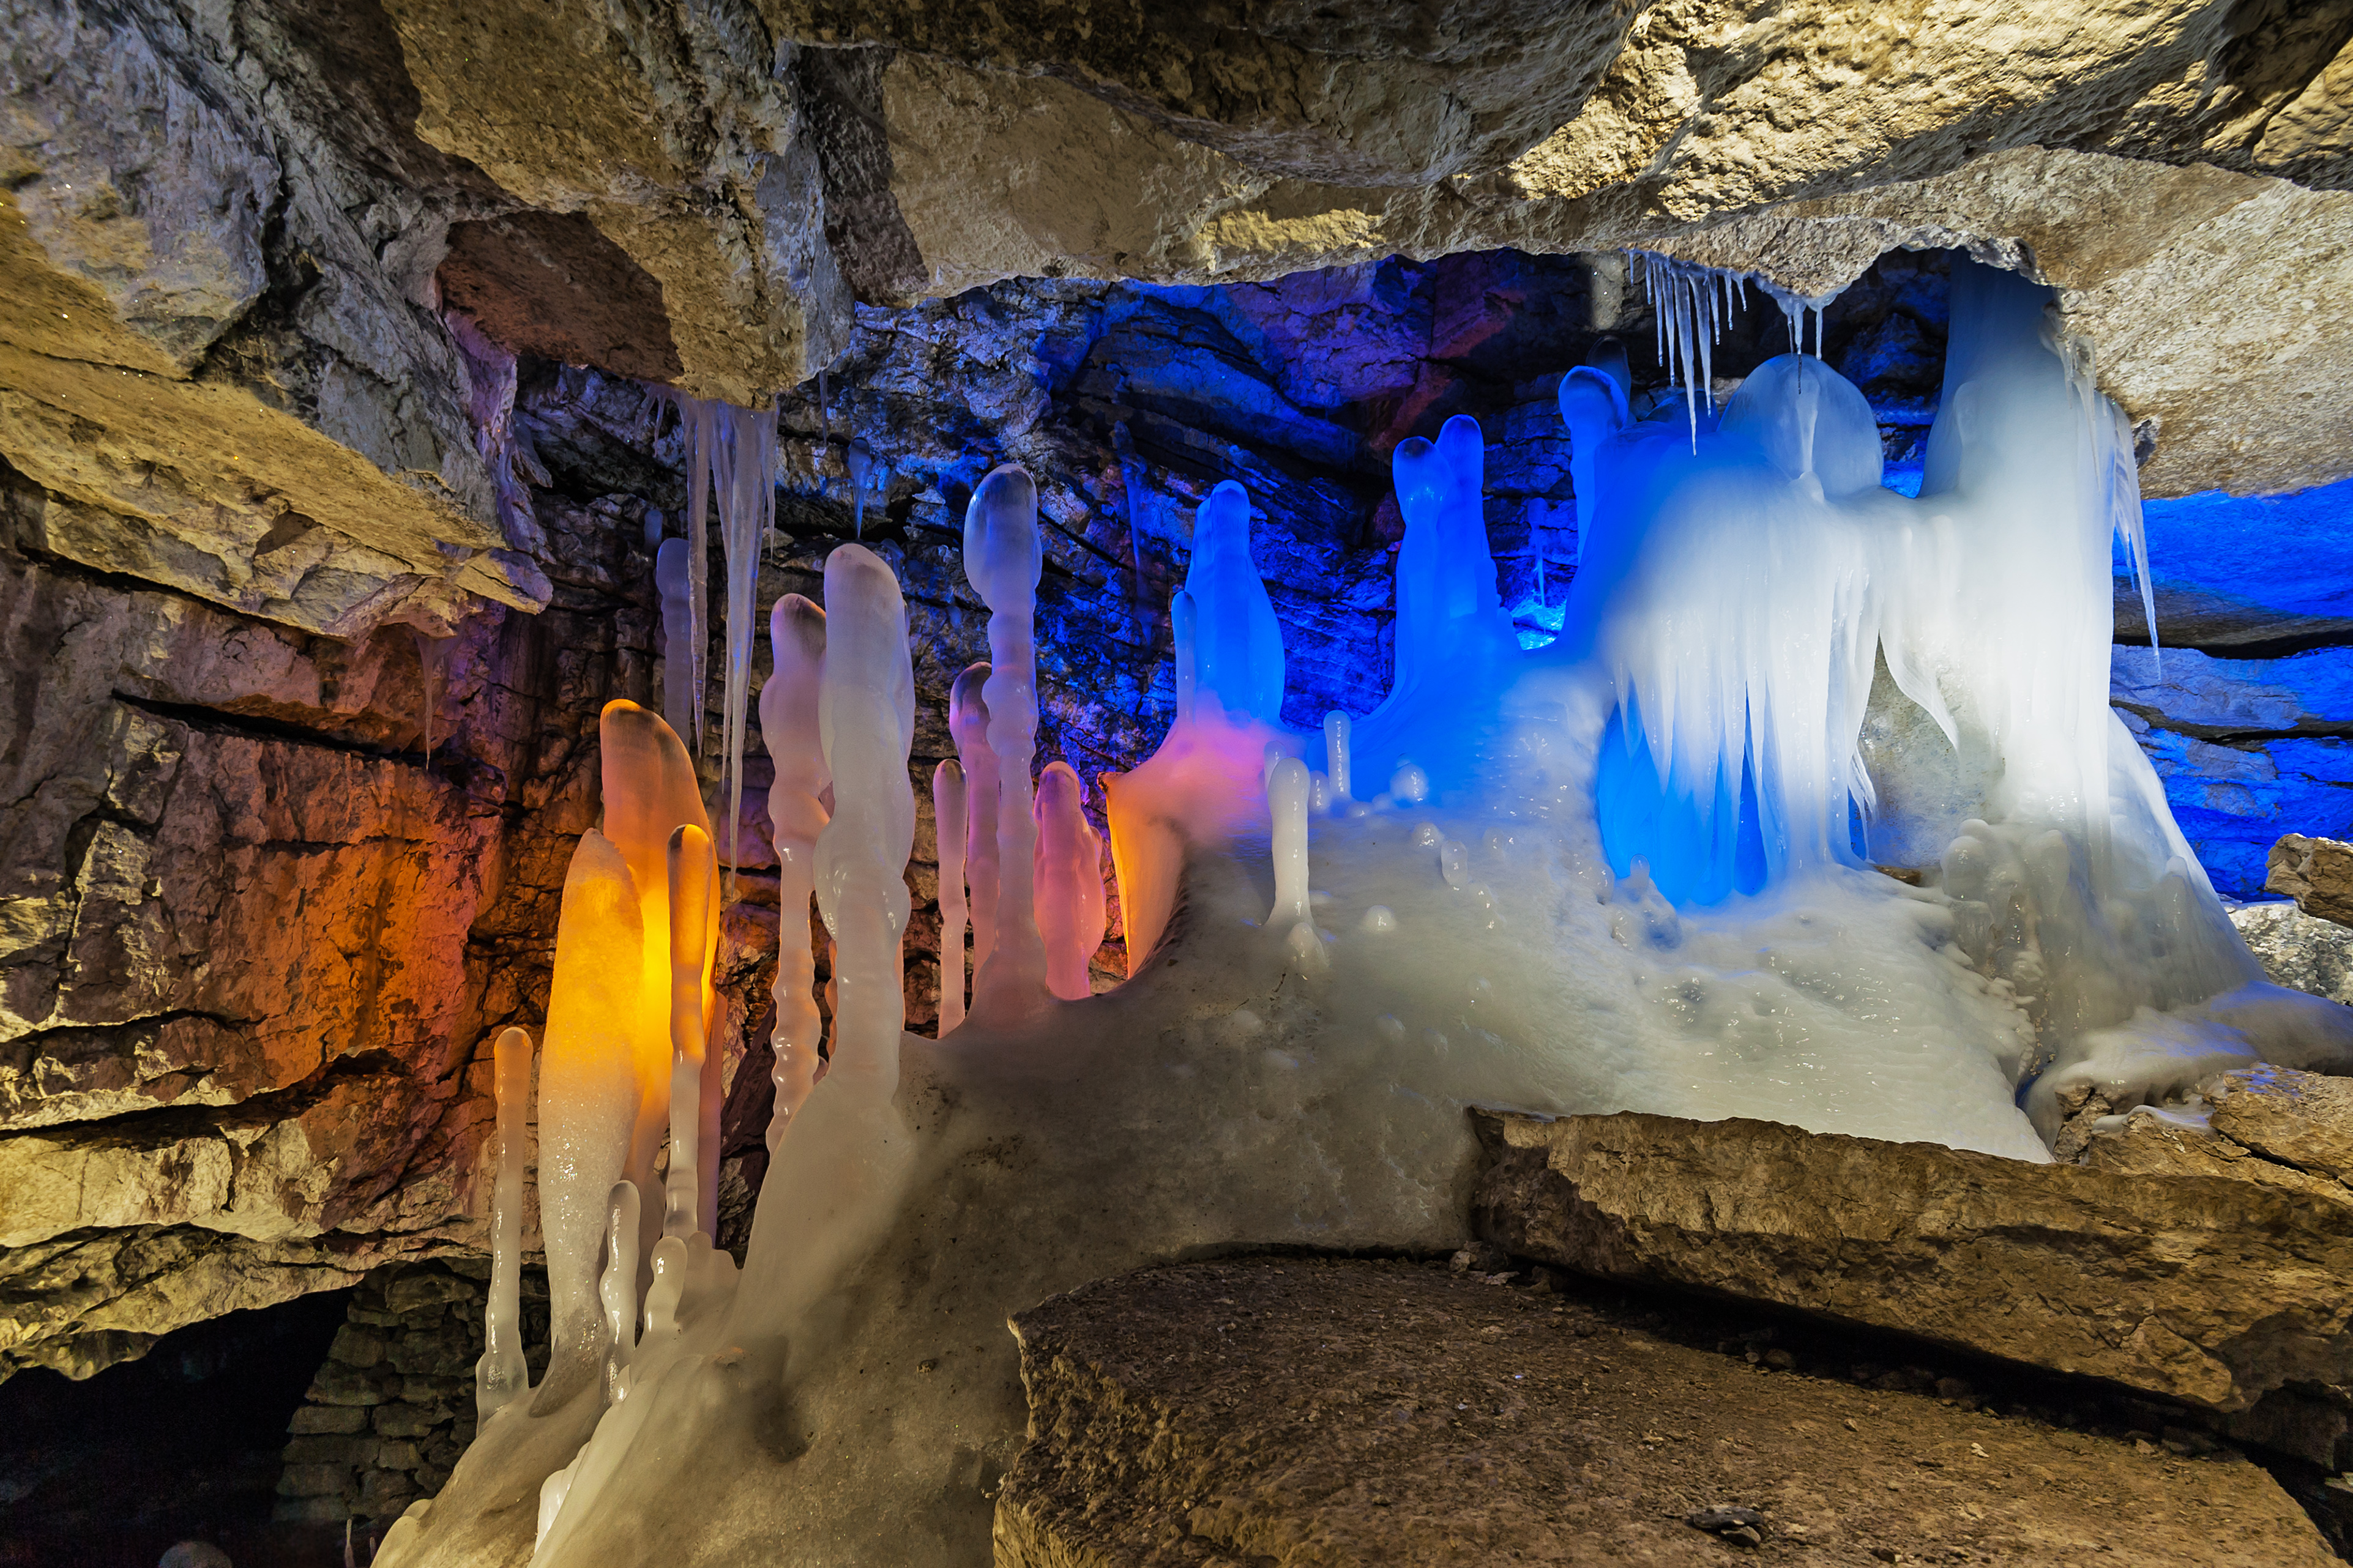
(1237, 642)
(1335, 755)
(617, 1288)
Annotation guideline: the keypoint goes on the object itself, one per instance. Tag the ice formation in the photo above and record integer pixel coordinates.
(1069, 881)
(1232, 640)
(1639, 870)
(969, 724)
(948, 817)
(682, 625)
(500, 1373)
(797, 815)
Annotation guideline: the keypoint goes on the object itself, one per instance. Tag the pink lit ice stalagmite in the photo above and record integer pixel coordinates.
(948, 809)
(968, 722)
(788, 725)
(1068, 882)
(1002, 559)
(590, 1099)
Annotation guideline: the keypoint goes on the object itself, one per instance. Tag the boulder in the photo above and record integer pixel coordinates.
(2317, 873)
(2201, 1288)
(1296, 1411)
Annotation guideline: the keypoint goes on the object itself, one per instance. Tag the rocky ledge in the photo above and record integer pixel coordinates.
(1287, 1411)
(2201, 1282)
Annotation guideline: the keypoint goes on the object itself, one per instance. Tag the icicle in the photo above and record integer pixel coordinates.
(1067, 872)
(968, 723)
(866, 714)
(1002, 560)
(949, 827)
(699, 420)
(673, 580)
(860, 463)
(618, 1288)
(693, 1114)
(747, 515)
(788, 724)
(499, 1374)
(1335, 754)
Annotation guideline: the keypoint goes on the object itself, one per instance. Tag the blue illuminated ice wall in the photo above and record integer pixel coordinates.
(1132, 404)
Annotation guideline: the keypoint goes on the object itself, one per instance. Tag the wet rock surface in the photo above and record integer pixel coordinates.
(2201, 1288)
(1295, 1410)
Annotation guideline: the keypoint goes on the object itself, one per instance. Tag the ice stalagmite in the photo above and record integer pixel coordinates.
(681, 625)
(692, 873)
(617, 1289)
(590, 1098)
(948, 824)
(1237, 642)
(968, 722)
(500, 1373)
(1593, 405)
(1335, 755)
(788, 724)
(1002, 559)
(1070, 891)
(651, 790)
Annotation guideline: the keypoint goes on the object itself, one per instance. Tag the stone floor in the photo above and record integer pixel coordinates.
(1287, 1411)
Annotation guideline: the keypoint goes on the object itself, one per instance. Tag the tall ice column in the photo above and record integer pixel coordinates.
(1002, 559)
(788, 726)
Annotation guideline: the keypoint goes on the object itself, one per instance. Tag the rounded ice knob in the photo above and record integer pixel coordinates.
(1002, 557)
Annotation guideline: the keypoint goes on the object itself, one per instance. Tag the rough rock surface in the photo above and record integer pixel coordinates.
(2317, 873)
(2201, 1287)
(1294, 1411)
(385, 1419)
(2297, 950)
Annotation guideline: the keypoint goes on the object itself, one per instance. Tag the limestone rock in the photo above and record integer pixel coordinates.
(1297, 1411)
(2317, 873)
(2200, 1288)
(2299, 951)
(2297, 1119)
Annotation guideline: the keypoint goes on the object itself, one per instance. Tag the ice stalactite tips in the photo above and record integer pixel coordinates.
(788, 725)
(1002, 559)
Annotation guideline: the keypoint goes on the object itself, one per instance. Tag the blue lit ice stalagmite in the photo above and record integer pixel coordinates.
(1236, 644)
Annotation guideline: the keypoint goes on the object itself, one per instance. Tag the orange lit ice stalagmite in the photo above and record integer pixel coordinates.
(788, 727)
(591, 1100)
(650, 791)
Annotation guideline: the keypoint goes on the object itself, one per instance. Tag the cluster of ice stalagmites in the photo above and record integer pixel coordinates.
(1633, 871)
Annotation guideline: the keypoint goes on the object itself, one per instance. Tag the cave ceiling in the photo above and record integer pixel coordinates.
(272, 262)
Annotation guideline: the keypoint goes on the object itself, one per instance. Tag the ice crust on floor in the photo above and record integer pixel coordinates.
(1635, 871)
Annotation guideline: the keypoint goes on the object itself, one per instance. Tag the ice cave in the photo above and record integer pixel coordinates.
(1083, 786)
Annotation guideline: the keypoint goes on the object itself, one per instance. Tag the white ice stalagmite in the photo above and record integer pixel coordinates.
(1237, 641)
(1286, 806)
(499, 1376)
(1002, 559)
(693, 1130)
(681, 625)
(1335, 757)
(617, 1288)
(1069, 877)
(589, 1101)
(949, 826)
(866, 713)
(1593, 405)
(788, 726)
(968, 723)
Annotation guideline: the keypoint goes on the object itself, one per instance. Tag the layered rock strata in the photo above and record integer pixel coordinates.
(1296, 1411)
